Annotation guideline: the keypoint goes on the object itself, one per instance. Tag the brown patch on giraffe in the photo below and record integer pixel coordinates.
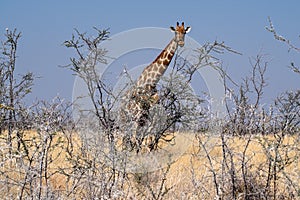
(164, 54)
(155, 67)
(170, 55)
(152, 74)
(146, 76)
(166, 62)
(159, 62)
(161, 70)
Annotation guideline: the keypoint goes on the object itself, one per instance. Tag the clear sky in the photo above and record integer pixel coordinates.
(45, 25)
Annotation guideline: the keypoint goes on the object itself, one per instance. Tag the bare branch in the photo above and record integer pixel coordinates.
(281, 38)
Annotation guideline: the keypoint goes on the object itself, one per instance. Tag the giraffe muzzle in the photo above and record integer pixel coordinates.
(181, 43)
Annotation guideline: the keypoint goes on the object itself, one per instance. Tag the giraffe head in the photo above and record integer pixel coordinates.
(180, 32)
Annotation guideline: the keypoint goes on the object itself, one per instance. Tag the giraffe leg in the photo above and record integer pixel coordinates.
(137, 138)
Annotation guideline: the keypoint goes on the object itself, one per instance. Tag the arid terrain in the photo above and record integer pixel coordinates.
(210, 167)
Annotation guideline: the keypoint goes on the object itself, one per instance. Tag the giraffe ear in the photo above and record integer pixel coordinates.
(188, 29)
(172, 28)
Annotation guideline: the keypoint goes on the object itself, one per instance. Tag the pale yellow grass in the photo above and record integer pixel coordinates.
(15, 172)
(192, 173)
(190, 176)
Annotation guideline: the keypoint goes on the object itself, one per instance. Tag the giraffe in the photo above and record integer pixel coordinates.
(144, 94)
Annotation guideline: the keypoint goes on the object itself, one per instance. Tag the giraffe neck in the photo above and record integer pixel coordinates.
(152, 73)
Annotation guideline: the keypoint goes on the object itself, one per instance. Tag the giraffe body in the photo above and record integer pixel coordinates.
(144, 95)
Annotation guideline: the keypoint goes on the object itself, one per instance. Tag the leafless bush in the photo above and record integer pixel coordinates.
(13, 89)
(279, 158)
(248, 116)
(233, 175)
(250, 167)
(244, 110)
(287, 111)
(30, 168)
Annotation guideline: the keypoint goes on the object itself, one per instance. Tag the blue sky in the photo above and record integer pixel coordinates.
(45, 25)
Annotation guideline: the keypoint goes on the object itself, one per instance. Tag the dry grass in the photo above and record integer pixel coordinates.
(190, 176)
(17, 163)
(192, 173)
